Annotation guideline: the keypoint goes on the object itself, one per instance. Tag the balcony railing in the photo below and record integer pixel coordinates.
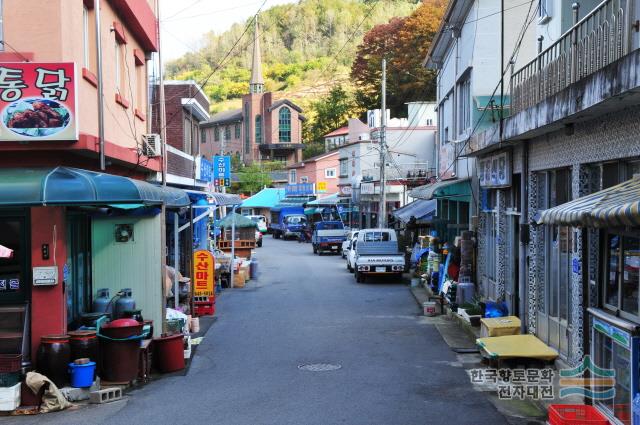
(408, 172)
(598, 39)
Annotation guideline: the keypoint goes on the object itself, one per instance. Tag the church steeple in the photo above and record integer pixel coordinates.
(257, 82)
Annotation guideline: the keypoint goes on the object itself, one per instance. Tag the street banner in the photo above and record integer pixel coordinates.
(203, 273)
(38, 101)
(222, 171)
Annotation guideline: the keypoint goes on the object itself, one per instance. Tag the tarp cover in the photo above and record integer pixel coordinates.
(241, 221)
(73, 186)
(266, 198)
(420, 209)
(516, 346)
(326, 201)
(617, 206)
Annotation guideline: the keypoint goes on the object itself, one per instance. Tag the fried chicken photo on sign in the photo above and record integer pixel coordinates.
(42, 116)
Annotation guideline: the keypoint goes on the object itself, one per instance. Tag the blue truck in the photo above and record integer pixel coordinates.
(287, 221)
(328, 236)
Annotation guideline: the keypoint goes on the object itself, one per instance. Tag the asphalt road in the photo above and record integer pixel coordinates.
(306, 310)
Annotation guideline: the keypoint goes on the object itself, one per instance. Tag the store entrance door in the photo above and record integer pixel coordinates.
(554, 310)
(14, 276)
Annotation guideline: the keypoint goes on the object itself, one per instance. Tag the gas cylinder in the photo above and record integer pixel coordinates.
(102, 302)
(125, 302)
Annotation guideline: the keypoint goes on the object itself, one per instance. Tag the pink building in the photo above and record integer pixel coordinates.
(322, 170)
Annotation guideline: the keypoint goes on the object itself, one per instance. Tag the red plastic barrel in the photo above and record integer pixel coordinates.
(169, 353)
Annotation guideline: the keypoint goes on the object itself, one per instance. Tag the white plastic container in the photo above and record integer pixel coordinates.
(10, 398)
(429, 308)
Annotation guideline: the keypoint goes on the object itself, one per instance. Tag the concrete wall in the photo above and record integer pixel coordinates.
(135, 264)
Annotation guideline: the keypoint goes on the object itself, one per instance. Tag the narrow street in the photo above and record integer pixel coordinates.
(306, 309)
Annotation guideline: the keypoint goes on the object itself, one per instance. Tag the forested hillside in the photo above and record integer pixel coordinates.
(307, 48)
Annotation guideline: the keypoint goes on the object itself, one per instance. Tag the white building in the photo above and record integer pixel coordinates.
(410, 161)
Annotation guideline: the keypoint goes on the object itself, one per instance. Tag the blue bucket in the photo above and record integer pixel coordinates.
(82, 374)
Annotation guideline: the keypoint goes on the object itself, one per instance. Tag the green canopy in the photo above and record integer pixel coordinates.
(241, 221)
(73, 186)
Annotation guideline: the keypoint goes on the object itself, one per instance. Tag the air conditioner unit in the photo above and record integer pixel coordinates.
(151, 145)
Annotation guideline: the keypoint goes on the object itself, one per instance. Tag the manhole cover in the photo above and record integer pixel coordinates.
(319, 367)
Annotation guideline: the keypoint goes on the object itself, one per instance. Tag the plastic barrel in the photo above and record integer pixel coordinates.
(169, 353)
(82, 374)
(119, 359)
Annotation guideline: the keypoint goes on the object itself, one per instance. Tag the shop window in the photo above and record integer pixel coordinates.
(237, 131)
(623, 274)
(13, 277)
(227, 132)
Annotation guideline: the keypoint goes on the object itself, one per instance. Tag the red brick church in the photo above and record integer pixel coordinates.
(263, 129)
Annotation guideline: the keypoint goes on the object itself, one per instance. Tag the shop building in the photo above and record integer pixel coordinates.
(73, 227)
(471, 99)
(320, 170)
(572, 135)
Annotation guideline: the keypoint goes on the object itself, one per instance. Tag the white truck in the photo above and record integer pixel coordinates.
(376, 253)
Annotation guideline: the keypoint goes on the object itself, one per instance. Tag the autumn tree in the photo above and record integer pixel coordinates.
(404, 42)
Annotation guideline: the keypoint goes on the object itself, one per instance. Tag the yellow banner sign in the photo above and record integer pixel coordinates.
(203, 273)
(321, 186)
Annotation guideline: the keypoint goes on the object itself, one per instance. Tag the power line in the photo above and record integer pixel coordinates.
(501, 80)
(4, 42)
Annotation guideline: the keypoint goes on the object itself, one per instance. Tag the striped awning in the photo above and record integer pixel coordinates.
(617, 206)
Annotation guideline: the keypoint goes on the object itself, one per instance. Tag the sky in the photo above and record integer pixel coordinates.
(184, 22)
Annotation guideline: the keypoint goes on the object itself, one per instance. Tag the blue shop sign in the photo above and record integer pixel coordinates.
(206, 170)
(222, 170)
(300, 189)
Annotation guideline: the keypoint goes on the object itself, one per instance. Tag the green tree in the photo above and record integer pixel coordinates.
(254, 177)
(329, 113)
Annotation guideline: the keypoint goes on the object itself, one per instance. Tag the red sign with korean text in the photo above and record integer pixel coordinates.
(38, 101)
(203, 273)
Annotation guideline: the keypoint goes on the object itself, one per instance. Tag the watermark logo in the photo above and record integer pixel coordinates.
(598, 385)
(512, 384)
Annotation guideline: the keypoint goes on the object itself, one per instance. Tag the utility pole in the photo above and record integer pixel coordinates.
(224, 188)
(382, 220)
(162, 110)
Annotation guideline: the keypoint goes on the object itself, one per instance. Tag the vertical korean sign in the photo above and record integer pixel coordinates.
(203, 273)
(222, 170)
(38, 101)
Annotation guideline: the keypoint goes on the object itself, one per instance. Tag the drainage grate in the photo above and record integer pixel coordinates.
(319, 367)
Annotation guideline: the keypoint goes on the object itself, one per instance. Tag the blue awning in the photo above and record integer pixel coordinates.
(73, 186)
(422, 210)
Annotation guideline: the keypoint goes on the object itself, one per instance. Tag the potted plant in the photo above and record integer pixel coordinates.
(471, 312)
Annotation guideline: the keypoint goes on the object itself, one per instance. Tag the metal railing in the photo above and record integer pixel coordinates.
(414, 171)
(598, 39)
